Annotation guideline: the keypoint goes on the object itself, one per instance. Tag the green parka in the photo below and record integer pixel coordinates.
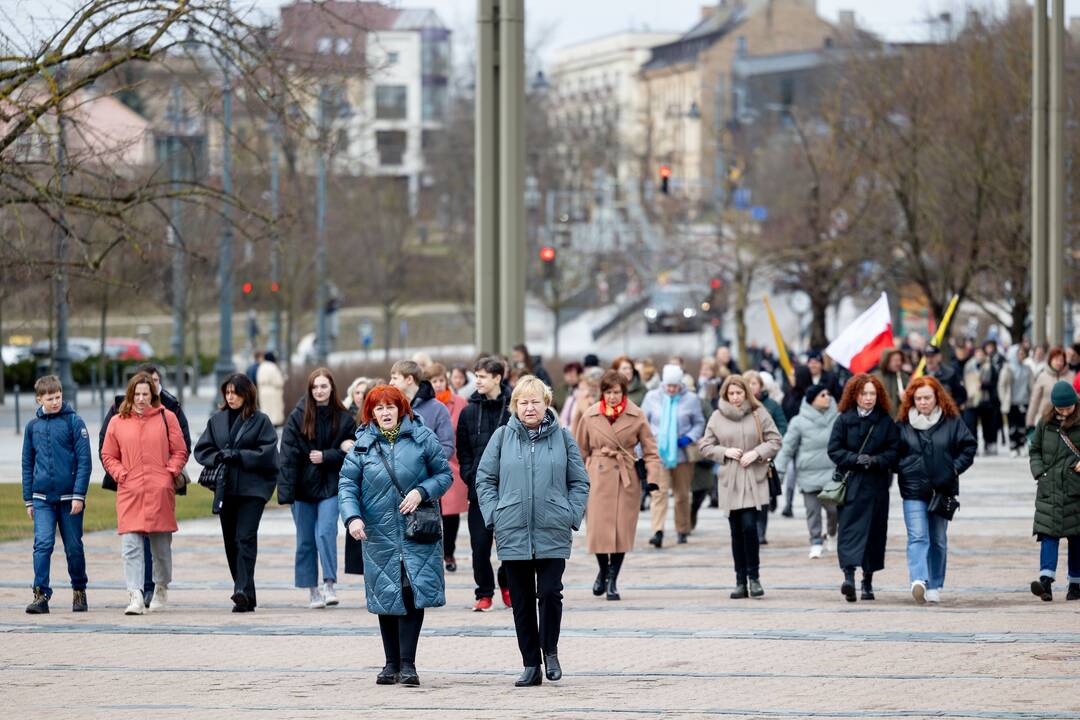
(1057, 500)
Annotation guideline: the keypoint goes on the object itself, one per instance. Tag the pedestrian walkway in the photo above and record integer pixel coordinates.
(675, 647)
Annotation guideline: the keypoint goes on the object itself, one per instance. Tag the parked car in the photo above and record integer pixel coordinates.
(14, 354)
(674, 308)
(128, 349)
(79, 348)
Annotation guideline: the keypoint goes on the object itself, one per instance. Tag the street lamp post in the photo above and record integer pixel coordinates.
(175, 114)
(275, 240)
(224, 366)
(321, 341)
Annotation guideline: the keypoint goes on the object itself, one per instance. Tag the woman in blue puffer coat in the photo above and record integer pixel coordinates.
(401, 577)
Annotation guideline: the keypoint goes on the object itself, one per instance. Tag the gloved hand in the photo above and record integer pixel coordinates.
(684, 440)
(864, 461)
(229, 457)
(652, 487)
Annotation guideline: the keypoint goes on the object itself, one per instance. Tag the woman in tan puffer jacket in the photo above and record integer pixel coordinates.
(1056, 369)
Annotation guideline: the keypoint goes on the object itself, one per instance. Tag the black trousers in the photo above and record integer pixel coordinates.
(1018, 426)
(240, 517)
(536, 590)
(745, 548)
(990, 419)
(482, 541)
(450, 525)
(400, 633)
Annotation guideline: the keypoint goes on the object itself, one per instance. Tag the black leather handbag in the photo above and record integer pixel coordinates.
(943, 505)
(424, 524)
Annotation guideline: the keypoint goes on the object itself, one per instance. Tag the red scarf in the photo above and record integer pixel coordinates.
(612, 413)
(444, 396)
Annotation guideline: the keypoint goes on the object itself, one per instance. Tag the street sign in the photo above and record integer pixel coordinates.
(367, 333)
(741, 198)
(759, 213)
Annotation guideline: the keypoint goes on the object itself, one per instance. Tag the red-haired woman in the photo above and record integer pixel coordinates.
(865, 443)
(317, 435)
(935, 448)
(396, 464)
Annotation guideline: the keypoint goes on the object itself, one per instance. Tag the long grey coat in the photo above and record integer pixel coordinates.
(807, 443)
(532, 493)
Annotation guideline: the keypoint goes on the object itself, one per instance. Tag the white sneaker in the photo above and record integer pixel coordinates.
(918, 591)
(161, 596)
(815, 552)
(933, 596)
(329, 595)
(829, 543)
(316, 599)
(135, 603)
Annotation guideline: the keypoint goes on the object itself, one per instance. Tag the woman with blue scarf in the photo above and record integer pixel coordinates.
(675, 418)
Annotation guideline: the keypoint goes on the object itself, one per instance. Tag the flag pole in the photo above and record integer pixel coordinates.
(781, 349)
(939, 336)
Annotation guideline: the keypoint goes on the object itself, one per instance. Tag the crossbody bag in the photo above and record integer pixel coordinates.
(423, 525)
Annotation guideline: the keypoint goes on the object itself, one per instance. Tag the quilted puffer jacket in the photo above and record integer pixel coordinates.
(533, 493)
(367, 492)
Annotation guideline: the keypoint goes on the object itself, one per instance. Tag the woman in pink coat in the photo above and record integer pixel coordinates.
(144, 451)
(456, 499)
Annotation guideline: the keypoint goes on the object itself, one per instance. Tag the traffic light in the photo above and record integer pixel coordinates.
(247, 288)
(547, 260)
(665, 175)
(275, 287)
(715, 304)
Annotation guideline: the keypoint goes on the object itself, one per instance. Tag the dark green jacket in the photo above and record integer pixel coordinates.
(1057, 499)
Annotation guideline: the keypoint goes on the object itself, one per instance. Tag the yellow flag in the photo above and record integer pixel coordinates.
(939, 336)
(781, 349)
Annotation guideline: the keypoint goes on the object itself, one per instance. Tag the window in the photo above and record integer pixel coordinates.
(741, 48)
(390, 102)
(391, 146)
(341, 146)
(428, 140)
(434, 107)
(392, 58)
(343, 46)
(324, 45)
(787, 91)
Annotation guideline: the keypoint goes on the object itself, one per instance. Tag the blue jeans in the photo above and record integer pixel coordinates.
(1048, 557)
(927, 544)
(316, 540)
(47, 516)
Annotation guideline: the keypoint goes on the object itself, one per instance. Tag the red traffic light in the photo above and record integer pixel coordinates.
(665, 171)
(247, 288)
(716, 283)
(274, 287)
(547, 254)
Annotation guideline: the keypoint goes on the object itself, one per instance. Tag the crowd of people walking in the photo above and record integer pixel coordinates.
(396, 462)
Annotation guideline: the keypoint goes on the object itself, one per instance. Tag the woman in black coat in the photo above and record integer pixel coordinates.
(936, 447)
(863, 519)
(243, 440)
(318, 434)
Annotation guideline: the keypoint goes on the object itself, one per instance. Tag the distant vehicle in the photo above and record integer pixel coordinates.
(14, 354)
(673, 308)
(79, 348)
(128, 349)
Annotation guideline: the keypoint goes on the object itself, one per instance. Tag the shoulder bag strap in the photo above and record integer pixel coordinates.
(389, 468)
(1069, 443)
(866, 439)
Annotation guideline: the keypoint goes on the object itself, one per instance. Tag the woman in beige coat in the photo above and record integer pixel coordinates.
(607, 435)
(1056, 369)
(742, 438)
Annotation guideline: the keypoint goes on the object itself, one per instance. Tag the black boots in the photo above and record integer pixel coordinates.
(388, 676)
(529, 677)
(867, 586)
(756, 590)
(612, 584)
(1074, 592)
(740, 592)
(551, 664)
(683, 537)
(657, 540)
(408, 674)
(78, 601)
(40, 605)
(600, 584)
(1039, 588)
(848, 588)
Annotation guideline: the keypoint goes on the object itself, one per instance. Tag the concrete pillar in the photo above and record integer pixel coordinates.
(1039, 236)
(512, 254)
(1056, 177)
(487, 177)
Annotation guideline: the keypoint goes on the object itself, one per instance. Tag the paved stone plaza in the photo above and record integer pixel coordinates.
(676, 646)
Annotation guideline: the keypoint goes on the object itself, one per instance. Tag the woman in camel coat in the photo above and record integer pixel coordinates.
(742, 437)
(607, 435)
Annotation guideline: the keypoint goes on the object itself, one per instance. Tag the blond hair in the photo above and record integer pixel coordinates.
(529, 385)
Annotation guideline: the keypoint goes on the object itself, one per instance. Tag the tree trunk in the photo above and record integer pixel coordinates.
(742, 288)
(819, 312)
(196, 348)
(3, 388)
(1019, 317)
(103, 332)
(388, 317)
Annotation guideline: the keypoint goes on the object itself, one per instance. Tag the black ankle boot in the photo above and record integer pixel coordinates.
(388, 676)
(552, 666)
(530, 676)
(408, 674)
(848, 588)
(600, 583)
(657, 540)
(1042, 588)
(1074, 592)
(868, 586)
(740, 592)
(612, 585)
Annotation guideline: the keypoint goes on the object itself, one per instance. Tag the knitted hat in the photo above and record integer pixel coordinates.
(672, 375)
(814, 355)
(1063, 394)
(813, 391)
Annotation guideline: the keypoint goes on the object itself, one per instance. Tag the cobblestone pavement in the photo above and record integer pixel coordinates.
(675, 647)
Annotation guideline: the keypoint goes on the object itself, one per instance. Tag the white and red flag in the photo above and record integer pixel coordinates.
(859, 346)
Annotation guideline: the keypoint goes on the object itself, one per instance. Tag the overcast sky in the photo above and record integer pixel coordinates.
(556, 23)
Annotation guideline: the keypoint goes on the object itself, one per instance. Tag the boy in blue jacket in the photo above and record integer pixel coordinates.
(55, 475)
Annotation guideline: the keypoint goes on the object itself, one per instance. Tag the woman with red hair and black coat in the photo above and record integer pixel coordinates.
(865, 443)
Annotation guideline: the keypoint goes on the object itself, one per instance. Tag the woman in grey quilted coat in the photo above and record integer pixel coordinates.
(401, 577)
